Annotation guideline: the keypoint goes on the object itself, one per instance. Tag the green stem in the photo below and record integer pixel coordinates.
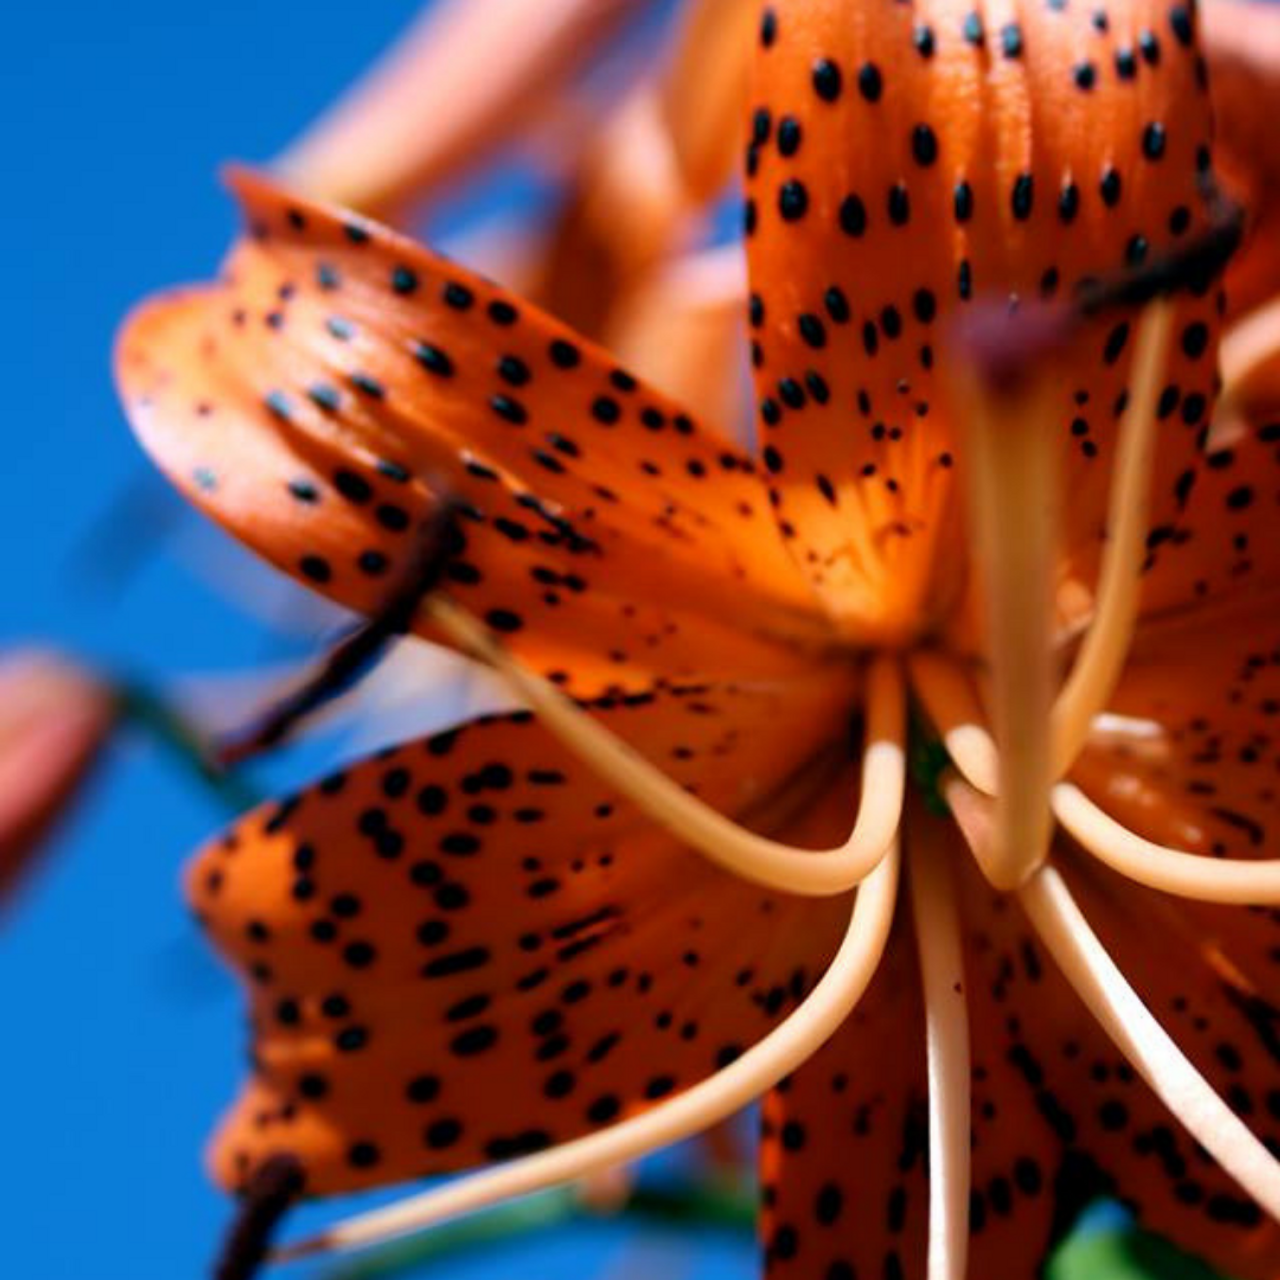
(723, 1206)
(152, 713)
(726, 1204)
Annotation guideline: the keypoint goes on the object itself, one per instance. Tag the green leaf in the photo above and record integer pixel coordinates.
(1124, 1254)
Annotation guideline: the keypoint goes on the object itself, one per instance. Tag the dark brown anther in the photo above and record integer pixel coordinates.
(1194, 267)
(356, 653)
(1005, 345)
(272, 1190)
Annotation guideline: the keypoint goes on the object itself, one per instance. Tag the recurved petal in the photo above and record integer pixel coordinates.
(1214, 499)
(470, 75)
(702, 89)
(650, 171)
(468, 947)
(905, 162)
(339, 380)
(844, 1143)
(1188, 752)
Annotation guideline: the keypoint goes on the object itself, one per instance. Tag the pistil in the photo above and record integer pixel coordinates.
(1013, 532)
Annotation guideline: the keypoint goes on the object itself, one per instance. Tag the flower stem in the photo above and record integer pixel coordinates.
(149, 711)
(724, 1205)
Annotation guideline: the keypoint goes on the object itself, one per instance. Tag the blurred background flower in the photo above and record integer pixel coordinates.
(55, 721)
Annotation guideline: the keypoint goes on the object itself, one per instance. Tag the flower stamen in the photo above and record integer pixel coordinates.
(782, 1051)
(949, 698)
(937, 930)
(951, 703)
(1233, 881)
(1153, 1053)
(1102, 653)
(691, 820)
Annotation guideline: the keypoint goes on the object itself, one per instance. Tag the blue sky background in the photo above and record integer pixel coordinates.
(122, 1040)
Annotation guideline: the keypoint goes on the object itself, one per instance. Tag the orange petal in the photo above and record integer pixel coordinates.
(1058, 1117)
(650, 171)
(1222, 1024)
(903, 162)
(844, 1143)
(466, 947)
(684, 327)
(1064, 1095)
(844, 1162)
(702, 90)
(1187, 755)
(468, 76)
(320, 398)
(1213, 511)
(54, 721)
(624, 211)
(1242, 45)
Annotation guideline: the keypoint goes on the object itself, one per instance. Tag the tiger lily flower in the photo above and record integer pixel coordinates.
(556, 938)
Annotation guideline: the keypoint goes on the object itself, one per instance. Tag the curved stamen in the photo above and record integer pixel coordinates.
(1119, 1010)
(1100, 660)
(949, 699)
(937, 927)
(695, 823)
(1235, 881)
(1012, 516)
(943, 687)
(762, 1066)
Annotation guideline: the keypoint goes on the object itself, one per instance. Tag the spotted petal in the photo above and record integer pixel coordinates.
(320, 399)
(468, 947)
(1218, 1018)
(1059, 1117)
(845, 1141)
(906, 161)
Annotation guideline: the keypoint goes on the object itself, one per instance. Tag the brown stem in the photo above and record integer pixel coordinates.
(353, 655)
(269, 1195)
